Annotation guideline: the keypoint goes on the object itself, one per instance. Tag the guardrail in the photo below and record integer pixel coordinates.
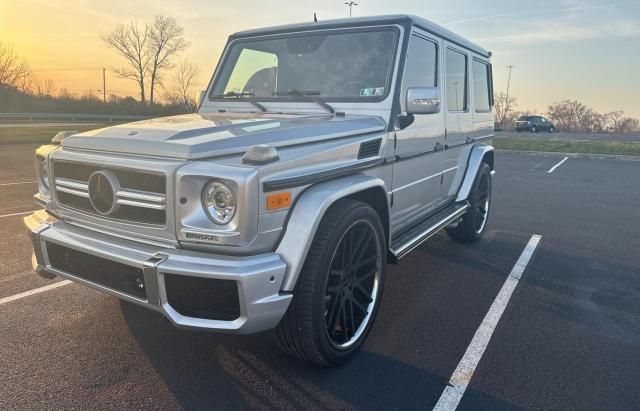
(66, 118)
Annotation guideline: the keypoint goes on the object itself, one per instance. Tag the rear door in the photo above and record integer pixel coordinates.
(459, 119)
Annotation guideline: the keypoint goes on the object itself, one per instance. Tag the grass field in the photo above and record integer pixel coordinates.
(569, 146)
(40, 134)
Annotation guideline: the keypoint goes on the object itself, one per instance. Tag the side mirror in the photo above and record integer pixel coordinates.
(423, 100)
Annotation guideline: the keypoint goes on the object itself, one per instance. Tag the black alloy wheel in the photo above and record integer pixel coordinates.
(338, 292)
(352, 284)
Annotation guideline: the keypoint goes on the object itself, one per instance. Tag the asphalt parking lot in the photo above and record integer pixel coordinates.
(569, 336)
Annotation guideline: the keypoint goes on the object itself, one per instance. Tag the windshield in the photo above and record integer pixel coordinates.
(340, 66)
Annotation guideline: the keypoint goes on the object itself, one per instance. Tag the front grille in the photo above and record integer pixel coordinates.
(141, 197)
(207, 298)
(107, 273)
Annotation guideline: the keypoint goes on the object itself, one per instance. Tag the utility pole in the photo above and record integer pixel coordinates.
(350, 4)
(506, 103)
(104, 85)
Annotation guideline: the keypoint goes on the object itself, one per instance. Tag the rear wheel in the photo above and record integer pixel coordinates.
(552, 129)
(338, 292)
(474, 221)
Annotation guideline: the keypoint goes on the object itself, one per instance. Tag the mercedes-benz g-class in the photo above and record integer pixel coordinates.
(319, 153)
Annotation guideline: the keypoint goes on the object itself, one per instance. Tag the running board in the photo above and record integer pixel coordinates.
(405, 241)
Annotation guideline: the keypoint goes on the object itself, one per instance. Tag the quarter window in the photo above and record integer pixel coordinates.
(456, 80)
(421, 66)
(481, 87)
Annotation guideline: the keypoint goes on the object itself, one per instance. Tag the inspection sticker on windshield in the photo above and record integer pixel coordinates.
(374, 91)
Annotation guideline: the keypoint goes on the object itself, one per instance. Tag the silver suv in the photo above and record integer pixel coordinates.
(320, 152)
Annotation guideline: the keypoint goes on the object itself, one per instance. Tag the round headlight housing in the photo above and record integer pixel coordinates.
(43, 172)
(219, 202)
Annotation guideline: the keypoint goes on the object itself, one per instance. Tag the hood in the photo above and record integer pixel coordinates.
(195, 136)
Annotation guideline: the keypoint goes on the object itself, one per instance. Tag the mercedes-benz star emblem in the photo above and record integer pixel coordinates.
(103, 187)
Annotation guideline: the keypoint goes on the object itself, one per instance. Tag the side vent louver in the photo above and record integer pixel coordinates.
(369, 148)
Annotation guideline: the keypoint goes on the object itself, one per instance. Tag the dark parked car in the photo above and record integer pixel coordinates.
(534, 124)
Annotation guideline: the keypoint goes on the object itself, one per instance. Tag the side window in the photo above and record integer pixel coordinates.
(421, 67)
(481, 87)
(456, 75)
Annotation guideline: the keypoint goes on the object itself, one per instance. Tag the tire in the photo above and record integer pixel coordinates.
(534, 129)
(474, 221)
(330, 287)
(552, 129)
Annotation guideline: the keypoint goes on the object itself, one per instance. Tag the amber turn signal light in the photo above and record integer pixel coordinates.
(278, 200)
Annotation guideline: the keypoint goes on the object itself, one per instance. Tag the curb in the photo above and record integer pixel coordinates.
(573, 155)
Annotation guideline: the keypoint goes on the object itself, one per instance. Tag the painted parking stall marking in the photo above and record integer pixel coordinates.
(16, 214)
(552, 169)
(17, 183)
(34, 291)
(459, 381)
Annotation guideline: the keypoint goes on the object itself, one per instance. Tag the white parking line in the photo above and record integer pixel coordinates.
(15, 184)
(459, 381)
(34, 291)
(15, 214)
(552, 169)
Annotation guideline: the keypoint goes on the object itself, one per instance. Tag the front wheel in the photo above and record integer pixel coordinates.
(338, 292)
(474, 221)
(534, 129)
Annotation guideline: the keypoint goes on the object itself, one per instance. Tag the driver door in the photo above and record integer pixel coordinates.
(418, 165)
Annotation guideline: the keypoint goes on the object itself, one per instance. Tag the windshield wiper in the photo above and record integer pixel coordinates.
(307, 95)
(242, 97)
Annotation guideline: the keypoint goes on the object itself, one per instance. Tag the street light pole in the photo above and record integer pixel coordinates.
(104, 85)
(506, 103)
(350, 4)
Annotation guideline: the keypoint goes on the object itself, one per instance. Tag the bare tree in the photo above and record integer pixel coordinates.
(184, 80)
(165, 41)
(132, 43)
(572, 115)
(45, 87)
(613, 121)
(14, 70)
(503, 109)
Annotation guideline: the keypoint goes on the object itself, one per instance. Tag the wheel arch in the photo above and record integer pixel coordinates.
(311, 207)
(479, 154)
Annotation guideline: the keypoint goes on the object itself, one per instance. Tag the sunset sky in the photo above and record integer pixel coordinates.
(567, 49)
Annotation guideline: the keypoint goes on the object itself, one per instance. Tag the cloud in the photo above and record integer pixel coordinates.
(565, 31)
(528, 13)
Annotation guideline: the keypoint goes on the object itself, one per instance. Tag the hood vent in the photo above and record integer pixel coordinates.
(369, 148)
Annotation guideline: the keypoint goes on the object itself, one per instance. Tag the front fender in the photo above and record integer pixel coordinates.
(476, 157)
(307, 215)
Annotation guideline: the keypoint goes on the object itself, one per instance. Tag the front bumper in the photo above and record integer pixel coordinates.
(258, 278)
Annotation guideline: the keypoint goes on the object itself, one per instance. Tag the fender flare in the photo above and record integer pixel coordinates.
(476, 157)
(306, 216)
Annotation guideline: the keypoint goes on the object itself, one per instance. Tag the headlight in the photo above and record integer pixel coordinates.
(43, 173)
(219, 201)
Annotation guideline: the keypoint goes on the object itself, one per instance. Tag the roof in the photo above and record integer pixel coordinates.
(365, 21)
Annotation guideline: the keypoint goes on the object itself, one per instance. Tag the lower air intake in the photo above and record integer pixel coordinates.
(116, 276)
(206, 298)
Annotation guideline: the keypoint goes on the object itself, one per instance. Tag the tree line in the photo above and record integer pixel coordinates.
(149, 52)
(567, 115)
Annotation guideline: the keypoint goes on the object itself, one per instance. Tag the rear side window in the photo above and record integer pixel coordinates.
(456, 80)
(481, 87)
(421, 66)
